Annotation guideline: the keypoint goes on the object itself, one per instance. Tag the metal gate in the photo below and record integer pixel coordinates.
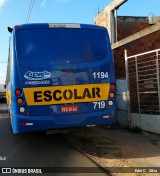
(143, 79)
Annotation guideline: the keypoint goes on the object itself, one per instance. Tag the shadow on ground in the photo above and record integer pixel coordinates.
(116, 143)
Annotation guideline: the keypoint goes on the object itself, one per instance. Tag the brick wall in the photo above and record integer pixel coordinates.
(127, 26)
(144, 44)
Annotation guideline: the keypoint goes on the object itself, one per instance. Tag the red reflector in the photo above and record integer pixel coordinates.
(112, 86)
(22, 124)
(27, 113)
(18, 92)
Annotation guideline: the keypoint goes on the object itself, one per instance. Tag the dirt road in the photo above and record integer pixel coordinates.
(112, 148)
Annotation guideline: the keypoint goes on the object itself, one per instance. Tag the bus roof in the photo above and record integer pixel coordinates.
(58, 25)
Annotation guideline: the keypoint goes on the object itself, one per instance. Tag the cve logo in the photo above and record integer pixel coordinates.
(37, 75)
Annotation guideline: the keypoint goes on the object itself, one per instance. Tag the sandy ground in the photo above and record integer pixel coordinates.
(117, 149)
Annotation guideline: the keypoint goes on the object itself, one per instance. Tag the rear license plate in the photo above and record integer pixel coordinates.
(69, 108)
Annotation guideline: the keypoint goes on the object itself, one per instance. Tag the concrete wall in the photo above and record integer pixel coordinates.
(106, 18)
(122, 102)
(103, 19)
(2, 87)
(146, 122)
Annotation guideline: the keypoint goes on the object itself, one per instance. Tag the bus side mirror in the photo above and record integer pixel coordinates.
(10, 29)
(4, 86)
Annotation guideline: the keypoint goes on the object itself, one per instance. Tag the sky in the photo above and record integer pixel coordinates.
(13, 12)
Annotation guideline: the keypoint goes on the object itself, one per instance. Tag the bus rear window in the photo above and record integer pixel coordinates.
(61, 46)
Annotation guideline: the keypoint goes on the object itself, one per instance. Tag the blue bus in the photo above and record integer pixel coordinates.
(59, 76)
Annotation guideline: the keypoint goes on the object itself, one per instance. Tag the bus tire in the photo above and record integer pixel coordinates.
(10, 122)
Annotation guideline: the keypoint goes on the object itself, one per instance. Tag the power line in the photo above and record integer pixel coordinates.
(30, 10)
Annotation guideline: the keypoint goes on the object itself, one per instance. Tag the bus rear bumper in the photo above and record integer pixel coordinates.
(21, 124)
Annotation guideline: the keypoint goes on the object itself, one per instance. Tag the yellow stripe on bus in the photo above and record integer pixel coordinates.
(8, 96)
(66, 94)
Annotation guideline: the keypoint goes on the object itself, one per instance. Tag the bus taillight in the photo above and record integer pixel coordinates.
(111, 94)
(19, 100)
(18, 92)
(112, 86)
